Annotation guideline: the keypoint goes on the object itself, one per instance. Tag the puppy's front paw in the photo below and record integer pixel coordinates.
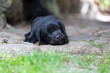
(30, 40)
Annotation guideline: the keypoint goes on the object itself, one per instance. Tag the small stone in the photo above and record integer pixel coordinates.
(96, 35)
(12, 38)
(4, 41)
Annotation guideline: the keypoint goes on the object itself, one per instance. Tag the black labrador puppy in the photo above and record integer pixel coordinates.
(48, 29)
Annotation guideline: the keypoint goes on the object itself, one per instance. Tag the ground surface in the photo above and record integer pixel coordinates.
(86, 37)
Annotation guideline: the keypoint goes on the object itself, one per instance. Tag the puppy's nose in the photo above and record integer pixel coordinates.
(58, 37)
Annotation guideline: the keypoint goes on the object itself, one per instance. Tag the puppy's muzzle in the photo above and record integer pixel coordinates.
(60, 38)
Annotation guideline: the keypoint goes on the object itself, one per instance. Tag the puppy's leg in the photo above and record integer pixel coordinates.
(38, 35)
(31, 38)
(38, 38)
(26, 36)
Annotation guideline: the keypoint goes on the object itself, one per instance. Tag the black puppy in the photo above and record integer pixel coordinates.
(48, 29)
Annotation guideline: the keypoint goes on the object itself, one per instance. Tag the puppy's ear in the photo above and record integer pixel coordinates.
(62, 26)
(63, 29)
(38, 35)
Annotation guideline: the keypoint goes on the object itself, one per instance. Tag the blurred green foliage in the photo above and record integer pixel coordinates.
(52, 6)
(45, 1)
(105, 3)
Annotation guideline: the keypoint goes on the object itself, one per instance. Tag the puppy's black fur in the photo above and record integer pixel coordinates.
(48, 29)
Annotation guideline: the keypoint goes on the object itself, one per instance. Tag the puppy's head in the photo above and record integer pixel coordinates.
(54, 35)
(57, 37)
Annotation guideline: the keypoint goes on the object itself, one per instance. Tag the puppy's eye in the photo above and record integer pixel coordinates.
(58, 27)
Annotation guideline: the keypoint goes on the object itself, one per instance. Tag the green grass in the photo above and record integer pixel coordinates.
(54, 62)
(40, 62)
(95, 45)
(94, 63)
